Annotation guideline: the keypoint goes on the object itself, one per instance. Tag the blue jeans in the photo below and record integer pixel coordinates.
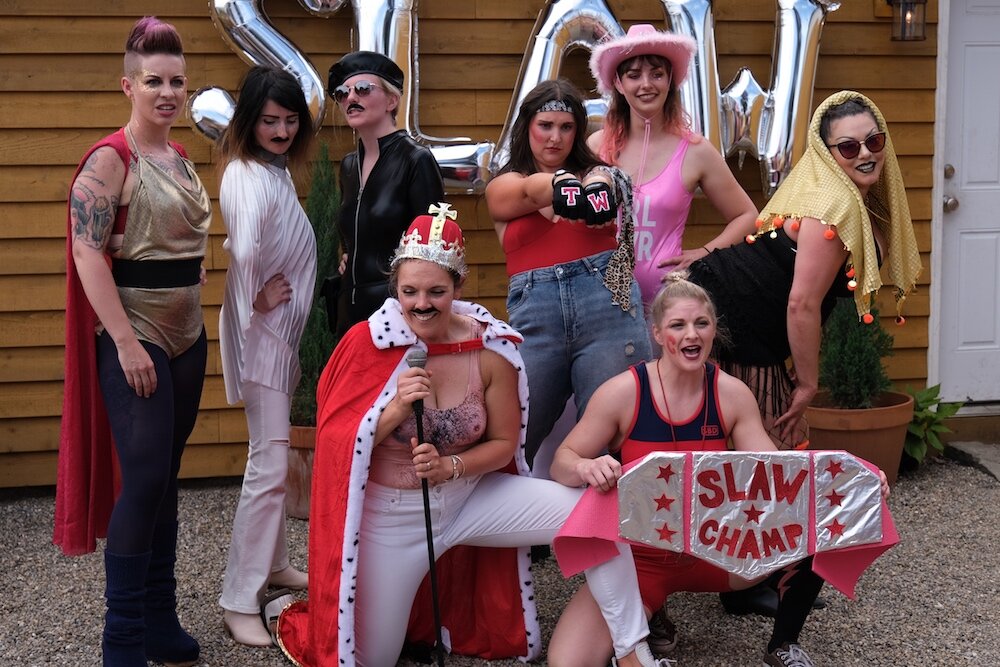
(574, 337)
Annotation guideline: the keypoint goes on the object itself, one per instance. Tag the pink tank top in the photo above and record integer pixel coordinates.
(661, 209)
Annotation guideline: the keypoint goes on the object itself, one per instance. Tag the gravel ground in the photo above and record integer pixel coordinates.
(929, 601)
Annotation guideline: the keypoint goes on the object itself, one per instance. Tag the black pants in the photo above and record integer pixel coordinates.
(149, 435)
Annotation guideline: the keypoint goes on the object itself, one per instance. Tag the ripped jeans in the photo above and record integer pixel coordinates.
(575, 339)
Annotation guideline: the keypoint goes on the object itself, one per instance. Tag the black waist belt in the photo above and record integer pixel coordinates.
(156, 273)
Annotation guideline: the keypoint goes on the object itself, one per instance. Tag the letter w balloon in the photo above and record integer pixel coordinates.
(771, 125)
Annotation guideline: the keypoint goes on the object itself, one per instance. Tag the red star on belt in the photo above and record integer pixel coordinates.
(835, 498)
(834, 468)
(666, 534)
(836, 528)
(664, 503)
(753, 514)
(666, 472)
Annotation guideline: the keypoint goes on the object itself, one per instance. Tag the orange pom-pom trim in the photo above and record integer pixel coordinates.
(867, 318)
(900, 321)
(795, 225)
(779, 221)
(850, 272)
(750, 239)
(852, 285)
(759, 223)
(829, 234)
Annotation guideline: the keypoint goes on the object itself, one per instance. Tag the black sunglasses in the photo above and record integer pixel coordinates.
(362, 88)
(850, 148)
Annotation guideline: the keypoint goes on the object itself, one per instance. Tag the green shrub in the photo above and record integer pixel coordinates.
(850, 366)
(322, 206)
(927, 426)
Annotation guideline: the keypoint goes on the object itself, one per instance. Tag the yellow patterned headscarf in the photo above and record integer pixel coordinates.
(818, 188)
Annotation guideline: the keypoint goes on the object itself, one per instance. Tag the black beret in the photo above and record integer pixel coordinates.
(364, 62)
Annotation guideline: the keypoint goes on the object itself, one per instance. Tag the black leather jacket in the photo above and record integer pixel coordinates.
(403, 183)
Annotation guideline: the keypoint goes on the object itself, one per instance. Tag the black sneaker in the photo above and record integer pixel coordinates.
(788, 655)
(662, 637)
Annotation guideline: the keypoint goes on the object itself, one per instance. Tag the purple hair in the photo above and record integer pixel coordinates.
(151, 35)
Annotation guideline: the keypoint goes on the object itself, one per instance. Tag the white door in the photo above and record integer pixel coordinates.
(969, 294)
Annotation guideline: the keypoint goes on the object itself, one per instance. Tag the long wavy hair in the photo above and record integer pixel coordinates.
(580, 158)
(261, 84)
(617, 122)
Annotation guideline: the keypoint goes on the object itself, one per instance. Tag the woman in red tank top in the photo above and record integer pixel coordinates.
(571, 295)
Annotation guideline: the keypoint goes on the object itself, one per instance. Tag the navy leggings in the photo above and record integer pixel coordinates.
(149, 436)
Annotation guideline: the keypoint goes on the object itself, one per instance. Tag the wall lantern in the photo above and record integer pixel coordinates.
(909, 20)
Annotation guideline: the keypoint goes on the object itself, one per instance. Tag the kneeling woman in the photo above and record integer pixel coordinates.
(367, 550)
(632, 415)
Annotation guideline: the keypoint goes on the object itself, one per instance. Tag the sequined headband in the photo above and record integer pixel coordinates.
(434, 238)
(555, 105)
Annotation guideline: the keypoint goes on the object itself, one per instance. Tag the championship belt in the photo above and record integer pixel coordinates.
(748, 513)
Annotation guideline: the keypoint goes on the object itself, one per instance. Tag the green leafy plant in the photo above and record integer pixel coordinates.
(851, 367)
(322, 205)
(929, 413)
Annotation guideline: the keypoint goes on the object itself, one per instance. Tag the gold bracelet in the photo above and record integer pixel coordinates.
(456, 473)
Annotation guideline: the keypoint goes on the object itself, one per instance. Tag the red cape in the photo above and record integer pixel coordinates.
(87, 481)
(487, 611)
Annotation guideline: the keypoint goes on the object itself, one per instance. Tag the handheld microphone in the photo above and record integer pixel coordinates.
(417, 359)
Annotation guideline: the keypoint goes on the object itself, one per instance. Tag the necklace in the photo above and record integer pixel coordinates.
(666, 405)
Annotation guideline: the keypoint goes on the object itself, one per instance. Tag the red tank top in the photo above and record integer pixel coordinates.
(651, 432)
(535, 242)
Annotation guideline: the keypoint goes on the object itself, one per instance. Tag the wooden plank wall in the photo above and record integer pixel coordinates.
(59, 68)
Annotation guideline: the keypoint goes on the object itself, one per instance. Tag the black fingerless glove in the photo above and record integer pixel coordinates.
(567, 196)
(599, 204)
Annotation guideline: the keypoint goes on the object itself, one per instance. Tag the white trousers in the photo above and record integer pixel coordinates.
(492, 510)
(258, 545)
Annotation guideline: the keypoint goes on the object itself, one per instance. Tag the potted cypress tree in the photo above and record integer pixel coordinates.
(855, 410)
(322, 205)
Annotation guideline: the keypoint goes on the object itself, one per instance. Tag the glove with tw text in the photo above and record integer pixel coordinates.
(567, 196)
(599, 203)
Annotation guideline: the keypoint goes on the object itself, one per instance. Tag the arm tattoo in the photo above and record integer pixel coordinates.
(93, 216)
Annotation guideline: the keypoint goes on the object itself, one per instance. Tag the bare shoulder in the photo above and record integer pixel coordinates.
(594, 141)
(103, 167)
(493, 366)
(616, 392)
(702, 151)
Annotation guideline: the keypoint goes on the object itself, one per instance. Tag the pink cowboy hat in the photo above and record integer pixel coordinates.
(642, 40)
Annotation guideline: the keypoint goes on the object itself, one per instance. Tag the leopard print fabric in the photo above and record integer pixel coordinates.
(619, 274)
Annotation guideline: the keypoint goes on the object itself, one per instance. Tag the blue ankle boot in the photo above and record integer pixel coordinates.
(124, 629)
(166, 640)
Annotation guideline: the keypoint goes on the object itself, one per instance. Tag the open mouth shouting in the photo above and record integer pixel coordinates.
(691, 352)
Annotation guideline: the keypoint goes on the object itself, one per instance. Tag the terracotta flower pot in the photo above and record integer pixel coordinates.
(301, 444)
(875, 434)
